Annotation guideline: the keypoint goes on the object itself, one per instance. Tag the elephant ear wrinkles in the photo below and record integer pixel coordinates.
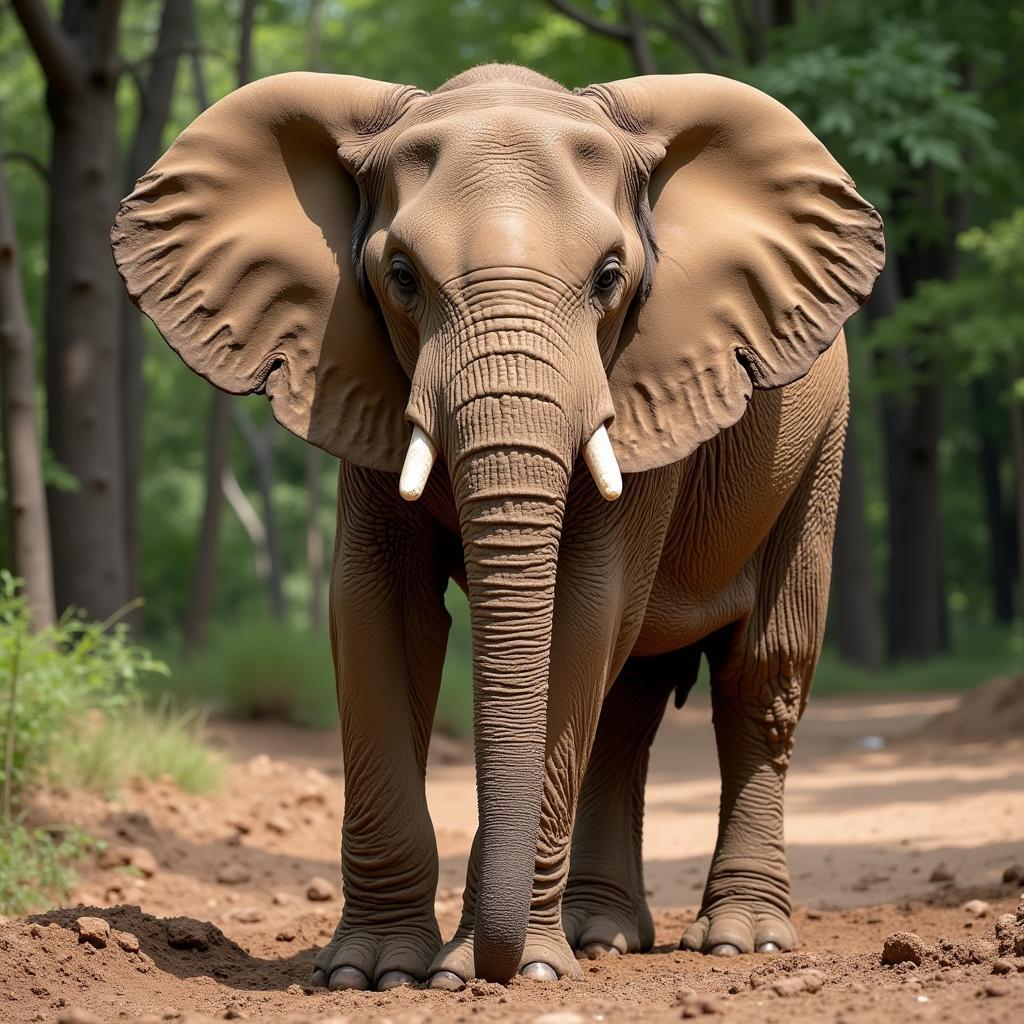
(237, 244)
(765, 250)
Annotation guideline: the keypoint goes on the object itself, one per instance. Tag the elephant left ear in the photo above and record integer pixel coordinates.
(765, 250)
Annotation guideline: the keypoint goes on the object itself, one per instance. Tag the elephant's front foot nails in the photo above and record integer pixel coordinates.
(379, 957)
(731, 930)
(601, 928)
(546, 957)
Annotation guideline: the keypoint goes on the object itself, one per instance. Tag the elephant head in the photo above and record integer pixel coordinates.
(511, 275)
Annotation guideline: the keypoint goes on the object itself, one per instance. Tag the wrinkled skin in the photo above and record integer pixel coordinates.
(508, 267)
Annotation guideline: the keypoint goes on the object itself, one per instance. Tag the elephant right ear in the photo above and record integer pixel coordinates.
(238, 245)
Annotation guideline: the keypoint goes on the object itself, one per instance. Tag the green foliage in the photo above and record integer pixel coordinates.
(35, 865)
(60, 675)
(262, 669)
(106, 752)
(980, 654)
(455, 701)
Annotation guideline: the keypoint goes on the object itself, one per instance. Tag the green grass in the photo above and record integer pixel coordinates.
(36, 865)
(980, 654)
(106, 752)
(262, 670)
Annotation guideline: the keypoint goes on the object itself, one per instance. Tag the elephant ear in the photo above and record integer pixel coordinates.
(238, 245)
(765, 250)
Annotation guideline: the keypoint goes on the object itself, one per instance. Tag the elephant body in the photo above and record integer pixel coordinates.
(545, 289)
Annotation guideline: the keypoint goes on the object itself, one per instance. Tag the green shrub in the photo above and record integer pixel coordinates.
(51, 680)
(35, 865)
(109, 750)
(258, 669)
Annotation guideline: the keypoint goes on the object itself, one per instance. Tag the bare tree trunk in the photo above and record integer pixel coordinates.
(83, 299)
(154, 106)
(250, 520)
(858, 633)
(1000, 529)
(1017, 440)
(27, 521)
(203, 588)
(260, 444)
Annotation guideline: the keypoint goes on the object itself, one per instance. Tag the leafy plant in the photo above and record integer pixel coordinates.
(35, 865)
(50, 680)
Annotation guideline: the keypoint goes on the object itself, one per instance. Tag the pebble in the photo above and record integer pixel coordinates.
(233, 1012)
(976, 908)
(143, 860)
(184, 933)
(1002, 966)
(233, 874)
(942, 874)
(76, 1015)
(93, 930)
(281, 899)
(280, 826)
(808, 980)
(286, 934)
(901, 947)
(1014, 873)
(319, 890)
(995, 989)
(249, 915)
(127, 941)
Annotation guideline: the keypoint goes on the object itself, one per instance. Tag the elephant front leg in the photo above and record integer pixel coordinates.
(389, 629)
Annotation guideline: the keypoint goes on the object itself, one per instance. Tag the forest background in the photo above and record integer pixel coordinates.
(208, 528)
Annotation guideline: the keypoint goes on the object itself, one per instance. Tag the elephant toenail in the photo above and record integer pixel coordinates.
(539, 971)
(725, 949)
(318, 979)
(393, 979)
(447, 981)
(349, 977)
(769, 947)
(598, 950)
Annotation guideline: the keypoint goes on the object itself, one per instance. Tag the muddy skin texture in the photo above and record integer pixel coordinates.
(510, 268)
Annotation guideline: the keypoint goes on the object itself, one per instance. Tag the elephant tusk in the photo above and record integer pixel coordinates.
(418, 461)
(603, 465)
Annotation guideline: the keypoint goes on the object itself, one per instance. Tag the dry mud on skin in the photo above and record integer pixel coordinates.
(215, 892)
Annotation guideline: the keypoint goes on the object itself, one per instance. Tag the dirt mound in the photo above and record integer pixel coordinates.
(992, 712)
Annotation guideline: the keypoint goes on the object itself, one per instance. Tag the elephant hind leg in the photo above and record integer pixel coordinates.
(604, 911)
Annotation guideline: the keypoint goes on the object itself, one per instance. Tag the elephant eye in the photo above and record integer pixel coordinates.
(403, 277)
(607, 277)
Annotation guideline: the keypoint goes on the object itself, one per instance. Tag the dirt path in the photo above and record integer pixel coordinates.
(867, 828)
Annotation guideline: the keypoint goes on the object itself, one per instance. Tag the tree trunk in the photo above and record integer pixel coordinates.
(916, 602)
(83, 350)
(858, 633)
(260, 444)
(1017, 441)
(1000, 542)
(27, 521)
(154, 107)
(203, 589)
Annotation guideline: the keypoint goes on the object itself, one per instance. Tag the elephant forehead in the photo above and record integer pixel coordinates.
(507, 149)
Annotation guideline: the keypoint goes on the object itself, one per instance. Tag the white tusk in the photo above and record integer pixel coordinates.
(601, 460)
(418, 461)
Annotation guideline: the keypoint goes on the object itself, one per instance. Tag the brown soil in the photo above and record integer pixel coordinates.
(869, 824)
(989, 713)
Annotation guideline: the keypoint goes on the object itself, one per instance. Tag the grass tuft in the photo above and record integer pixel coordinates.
(36, 865)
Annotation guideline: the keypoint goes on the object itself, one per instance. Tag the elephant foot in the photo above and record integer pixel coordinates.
(546, 957)
(601, 928)
(362, 959)
(735, 930)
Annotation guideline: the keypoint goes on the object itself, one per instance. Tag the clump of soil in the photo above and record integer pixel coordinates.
(992, 712)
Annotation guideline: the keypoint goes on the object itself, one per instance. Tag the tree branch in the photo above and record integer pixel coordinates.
(108, 36)
(57, 56)
(592, 22)
(695, 28)
(29, 160)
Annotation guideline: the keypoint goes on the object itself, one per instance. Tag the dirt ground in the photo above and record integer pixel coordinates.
(889, 829)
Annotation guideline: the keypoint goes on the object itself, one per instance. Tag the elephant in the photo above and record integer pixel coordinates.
(580, 352)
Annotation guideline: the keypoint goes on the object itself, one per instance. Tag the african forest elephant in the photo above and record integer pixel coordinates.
(459, 294)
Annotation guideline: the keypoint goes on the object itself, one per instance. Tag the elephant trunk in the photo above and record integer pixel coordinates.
(510, 459)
